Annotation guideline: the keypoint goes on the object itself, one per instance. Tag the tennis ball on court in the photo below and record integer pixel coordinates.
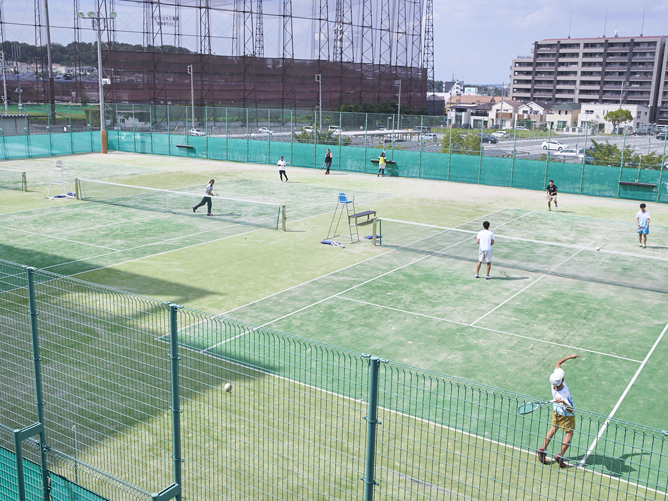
(598, 248)
(228, 387)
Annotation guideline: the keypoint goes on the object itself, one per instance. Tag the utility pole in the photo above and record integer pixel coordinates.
(96, 20)
(192, 93)
(52, 96)
(4, 81)
(318, 78)
(397, 83)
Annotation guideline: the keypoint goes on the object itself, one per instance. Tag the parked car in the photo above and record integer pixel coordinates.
(335, 129)
(662, 136)
(464, 126)
(642, 131)
(422, 128)
(196, 132)
(521, 128)
(265, 130)
(553, 145)
(429, 136)
(307, 128)
(486, 138)
(500, 134)
(569, 152)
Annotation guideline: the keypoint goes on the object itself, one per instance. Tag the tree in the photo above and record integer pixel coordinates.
(468, 144)
(618, 117)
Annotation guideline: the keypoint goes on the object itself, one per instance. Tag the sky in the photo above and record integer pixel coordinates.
(475, 40)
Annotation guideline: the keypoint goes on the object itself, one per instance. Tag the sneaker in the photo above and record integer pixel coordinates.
(548, 209)
(556, 206)
(194, 209)
(639, 245)
(476, 276)
(210, 214)
(560, 461)
(644, 245)
(541, 455)
(487, 277)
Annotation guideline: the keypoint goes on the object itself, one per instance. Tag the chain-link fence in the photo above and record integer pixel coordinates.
(124, 396)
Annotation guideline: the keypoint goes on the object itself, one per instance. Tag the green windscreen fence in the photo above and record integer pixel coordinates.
(357, 155)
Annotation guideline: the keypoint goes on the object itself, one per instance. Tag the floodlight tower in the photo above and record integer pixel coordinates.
(96, 21)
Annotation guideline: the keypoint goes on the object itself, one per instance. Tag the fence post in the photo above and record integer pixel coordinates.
(621, 164)
(292, 135)
(663, 161)
(174, 490)
(512, 164)
(37, 361)
(447, 178)
(371, 421)
(366, 143)
(227, 136)
(584, 157)
(421, 145)
(547, 157)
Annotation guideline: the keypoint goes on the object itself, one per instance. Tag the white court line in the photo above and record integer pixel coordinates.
(171, 250)
(529, 240)
(403, 414)
(621, 399)
(347, 267)
(58, 238)
(318, 278)
(335, 295)
(542, 276)
(140, 246)
(488, 329)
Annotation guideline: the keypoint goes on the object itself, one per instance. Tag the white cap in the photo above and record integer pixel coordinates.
(557, 377)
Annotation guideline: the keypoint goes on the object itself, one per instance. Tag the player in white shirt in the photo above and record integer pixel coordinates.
(642, 218)
(562, 414)
(485, 240)
(281, 169)
(206, 199)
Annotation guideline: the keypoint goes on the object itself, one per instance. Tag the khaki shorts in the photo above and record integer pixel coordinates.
(485, 256)
(552, 198)
(561, 422)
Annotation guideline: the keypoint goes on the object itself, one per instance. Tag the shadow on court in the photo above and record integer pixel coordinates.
(175, 292)
(614, 466)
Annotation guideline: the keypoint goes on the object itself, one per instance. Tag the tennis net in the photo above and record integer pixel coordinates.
(13, 180)
(623, 269)
(247, 212)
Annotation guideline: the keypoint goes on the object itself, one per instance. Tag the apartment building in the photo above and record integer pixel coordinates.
(627, 70)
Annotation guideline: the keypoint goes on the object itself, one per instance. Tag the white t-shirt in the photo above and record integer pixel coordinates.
(485, 238)
(281, 165)
(642, 218)
(209, 190)
(563, 394)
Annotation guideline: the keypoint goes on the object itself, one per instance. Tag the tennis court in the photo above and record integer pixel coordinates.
(412, 300)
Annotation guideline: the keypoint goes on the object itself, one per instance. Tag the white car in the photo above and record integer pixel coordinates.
(265, 130)
(196, 132)
(500, 134)
(521, 128)
(428, 136)
(307, 128)
(553, 145)
(569, 152)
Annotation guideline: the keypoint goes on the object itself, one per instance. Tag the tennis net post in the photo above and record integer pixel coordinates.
(77, 190)
(13, 180)
(24, 181)
(283, 217)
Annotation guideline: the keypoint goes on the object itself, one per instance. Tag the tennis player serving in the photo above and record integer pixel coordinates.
(562, 414)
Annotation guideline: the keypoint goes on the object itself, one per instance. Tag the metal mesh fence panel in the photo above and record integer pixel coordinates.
(267, 415)
(291, 425)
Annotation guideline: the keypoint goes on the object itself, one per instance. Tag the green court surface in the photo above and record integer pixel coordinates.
(412, 300)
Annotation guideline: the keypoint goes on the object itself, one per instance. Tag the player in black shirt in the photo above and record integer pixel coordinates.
(551, 195)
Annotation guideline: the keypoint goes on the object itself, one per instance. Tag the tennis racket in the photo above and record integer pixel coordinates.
(529, 407)
(322, 166)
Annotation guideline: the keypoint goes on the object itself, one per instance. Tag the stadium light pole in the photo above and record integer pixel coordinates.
(397, 83)
(318, 78)
(192, 93)
(98, 27)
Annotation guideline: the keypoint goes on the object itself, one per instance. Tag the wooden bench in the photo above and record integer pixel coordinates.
(641, 185)
(375, 161)
(189, 146)
(367, 213)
